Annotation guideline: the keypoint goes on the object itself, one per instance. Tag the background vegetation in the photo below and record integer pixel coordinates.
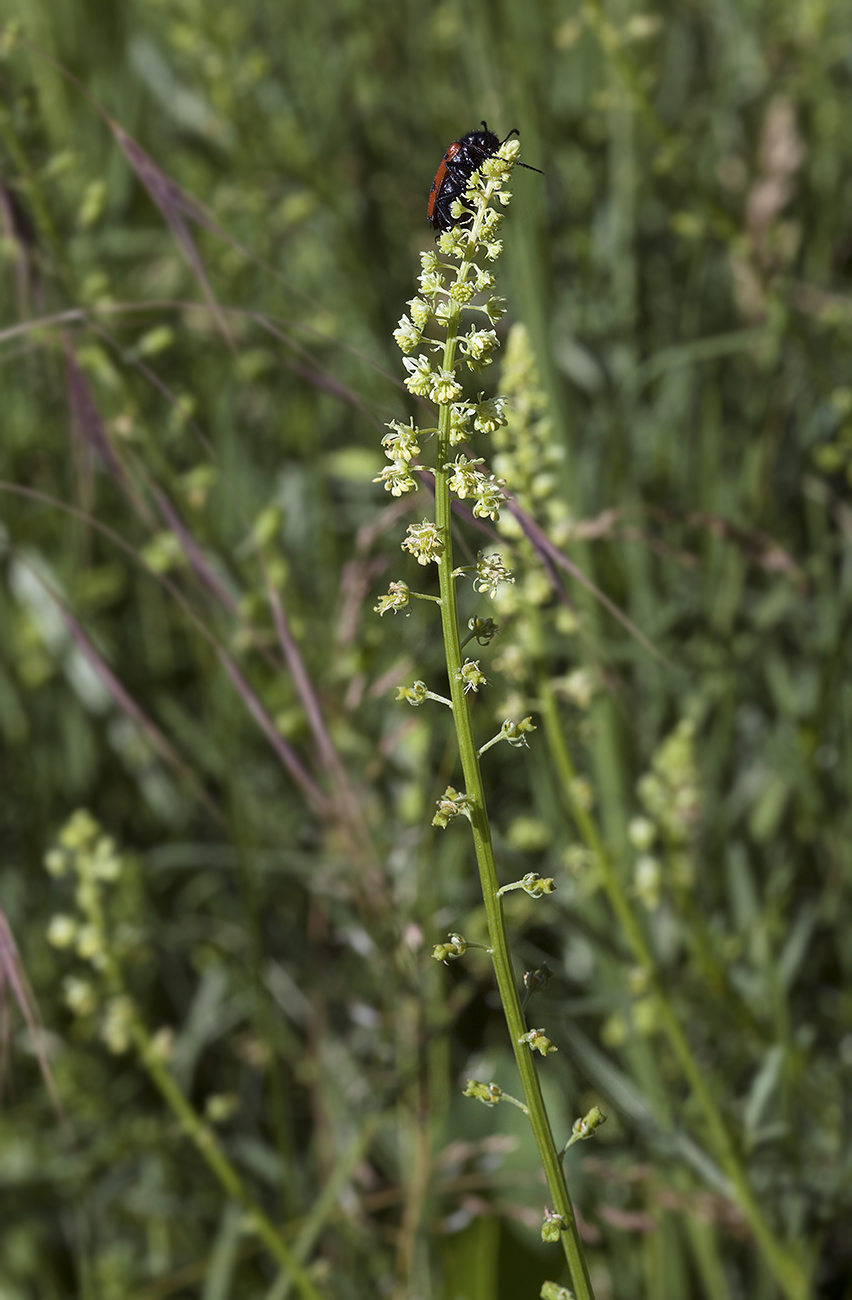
(219, 208)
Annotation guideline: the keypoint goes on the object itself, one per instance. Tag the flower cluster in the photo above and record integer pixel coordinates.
(490, 572)
(451, 805)
(585, 1127)
(671, 791)
(536, 980)
(488, 1093)
(444, 290)
(532, 884)
(527, 451)
(397, 598)
(530, 458)
(445, 952)
(93, 861)
(418, 694)
(482, 630)
(553, 1291)
(554, 1224)
(466, 480)
(471, 676)
(424, 542)
(539, 1042)
(397, 478)
(457, 947)
(513, 732)
(413, 695)
(672, 796)
(516, 732)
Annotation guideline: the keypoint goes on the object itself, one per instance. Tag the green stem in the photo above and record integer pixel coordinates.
(324, 1207)
(786, 1268)
(201, 1134)
(207, 1145)
(474, 789)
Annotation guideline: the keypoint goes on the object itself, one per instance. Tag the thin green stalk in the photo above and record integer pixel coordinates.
(324, 1207)
(207, 1145)
(475, 790)
(785, 1267)
(81, 837)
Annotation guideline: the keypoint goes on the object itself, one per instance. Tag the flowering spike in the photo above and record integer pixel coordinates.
(437, 347)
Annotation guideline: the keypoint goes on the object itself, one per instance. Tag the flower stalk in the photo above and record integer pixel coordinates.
(475, 789)
(529, 454)
(783, 1262)
(94, 863)
(456, 475)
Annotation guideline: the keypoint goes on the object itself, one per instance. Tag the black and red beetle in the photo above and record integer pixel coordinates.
(452, 178)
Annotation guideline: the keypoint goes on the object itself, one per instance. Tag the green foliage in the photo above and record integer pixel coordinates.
(194, 387)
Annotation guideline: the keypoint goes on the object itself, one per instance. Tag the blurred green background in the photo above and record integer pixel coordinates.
(219, 209)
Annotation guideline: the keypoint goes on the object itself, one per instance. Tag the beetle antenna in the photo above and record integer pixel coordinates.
(515, 131)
